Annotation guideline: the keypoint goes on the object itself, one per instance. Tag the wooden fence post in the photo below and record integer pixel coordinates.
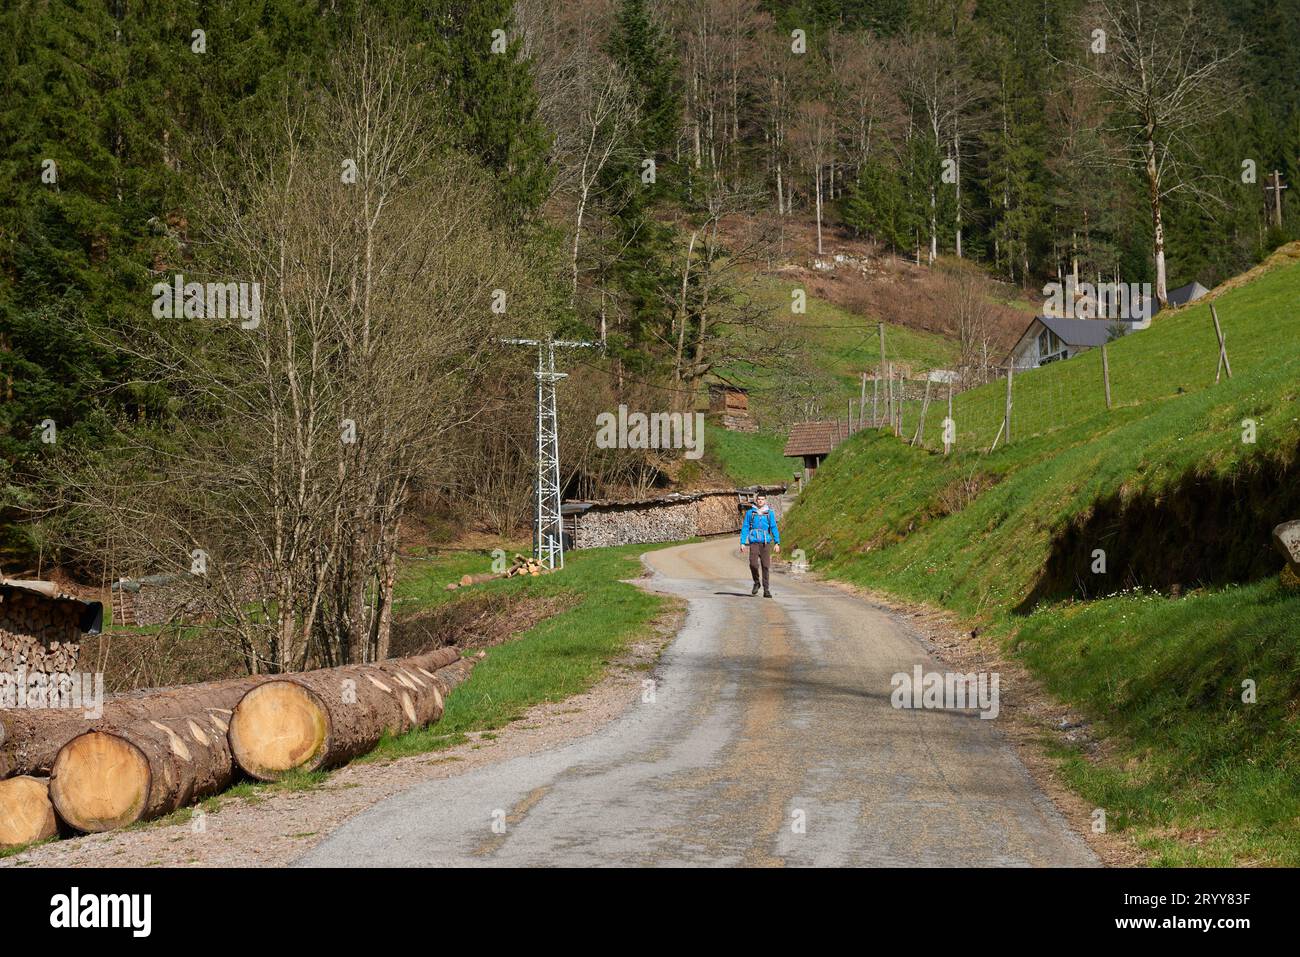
(1006, 417)
(1224, 364)
(898, 407)
(948, 423)
(875, 401)
(889, 398)
(862, 404)
(1105, 372)
(919, 438)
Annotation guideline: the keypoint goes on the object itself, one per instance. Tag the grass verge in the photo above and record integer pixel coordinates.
(555, 659)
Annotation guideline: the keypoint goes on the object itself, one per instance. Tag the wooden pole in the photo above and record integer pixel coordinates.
(889, 398)
(1224, 364)
(898, 408)
(862, 404)
(947, 446)
(1105, 372)
(902, 401)
(1275, 187)
(875, 401)
(1006, 417)
(919, 438)
(889, 408)
(998, 436)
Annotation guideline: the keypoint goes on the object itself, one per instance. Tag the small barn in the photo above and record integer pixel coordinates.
(41, 626)
(1051, 338)
(730, 403)
(812, 442)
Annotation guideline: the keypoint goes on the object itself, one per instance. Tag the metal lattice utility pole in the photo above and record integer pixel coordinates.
(549, 526)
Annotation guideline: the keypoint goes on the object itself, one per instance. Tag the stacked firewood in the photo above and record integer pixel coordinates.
(23, 651)
(37, 634)
(520, 565)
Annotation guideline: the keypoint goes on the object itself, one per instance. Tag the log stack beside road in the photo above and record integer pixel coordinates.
(152, 752)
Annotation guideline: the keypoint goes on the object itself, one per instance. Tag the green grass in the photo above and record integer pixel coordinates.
(1167, 677)
(839, 345)
(1162, 676)
(747, 458)
(556, 659)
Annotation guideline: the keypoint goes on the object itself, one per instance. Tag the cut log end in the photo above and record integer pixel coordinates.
(100, 782)
(278, 727)
(26, 814)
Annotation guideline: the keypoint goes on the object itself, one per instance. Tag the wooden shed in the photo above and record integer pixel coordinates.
(812, 442)
(730, 403)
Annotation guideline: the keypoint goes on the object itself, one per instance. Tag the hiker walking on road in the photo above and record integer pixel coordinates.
(759, 536)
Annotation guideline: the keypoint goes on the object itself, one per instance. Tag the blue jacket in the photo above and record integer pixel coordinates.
(759, 527)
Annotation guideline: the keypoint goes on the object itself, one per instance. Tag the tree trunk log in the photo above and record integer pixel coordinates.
(115, 776)
(26, 814)
(322, 719)
(30, 738)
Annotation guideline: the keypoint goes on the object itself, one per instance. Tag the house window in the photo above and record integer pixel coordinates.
(1050, 346)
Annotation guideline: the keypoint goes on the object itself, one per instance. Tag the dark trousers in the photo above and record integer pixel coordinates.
(760, 554)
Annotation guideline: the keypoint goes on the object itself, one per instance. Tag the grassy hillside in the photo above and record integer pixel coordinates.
(747, 458)
(836, 346)
(1181, 506)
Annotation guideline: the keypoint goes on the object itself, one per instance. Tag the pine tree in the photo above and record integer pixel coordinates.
(491, 85)
(641, 47)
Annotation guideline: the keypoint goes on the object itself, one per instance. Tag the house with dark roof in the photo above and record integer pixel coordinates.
(1051, 338)
(812, 442)
(1185, 294)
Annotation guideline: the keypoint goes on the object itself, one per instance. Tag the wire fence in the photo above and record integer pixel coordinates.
(1042, 400)
(1134, 369)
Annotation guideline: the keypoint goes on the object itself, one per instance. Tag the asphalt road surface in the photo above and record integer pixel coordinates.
(770, 740)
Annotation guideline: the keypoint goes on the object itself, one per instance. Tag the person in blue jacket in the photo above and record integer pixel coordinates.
(760, 537)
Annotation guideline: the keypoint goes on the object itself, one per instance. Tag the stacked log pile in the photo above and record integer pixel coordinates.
(37, 634)
(669, 518)
(153, 752)
(717, 515)
(658, 520)
(520, 565)
(322, 719)
(30, 738)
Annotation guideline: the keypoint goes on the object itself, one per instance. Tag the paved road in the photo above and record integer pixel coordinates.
(763, 709)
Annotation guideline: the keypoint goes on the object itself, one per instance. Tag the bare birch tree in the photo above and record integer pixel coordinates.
(1163, 73)
(277, 493)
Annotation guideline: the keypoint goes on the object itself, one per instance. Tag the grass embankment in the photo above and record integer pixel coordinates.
(747, 458)
(1165, 485)
(555, 659)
